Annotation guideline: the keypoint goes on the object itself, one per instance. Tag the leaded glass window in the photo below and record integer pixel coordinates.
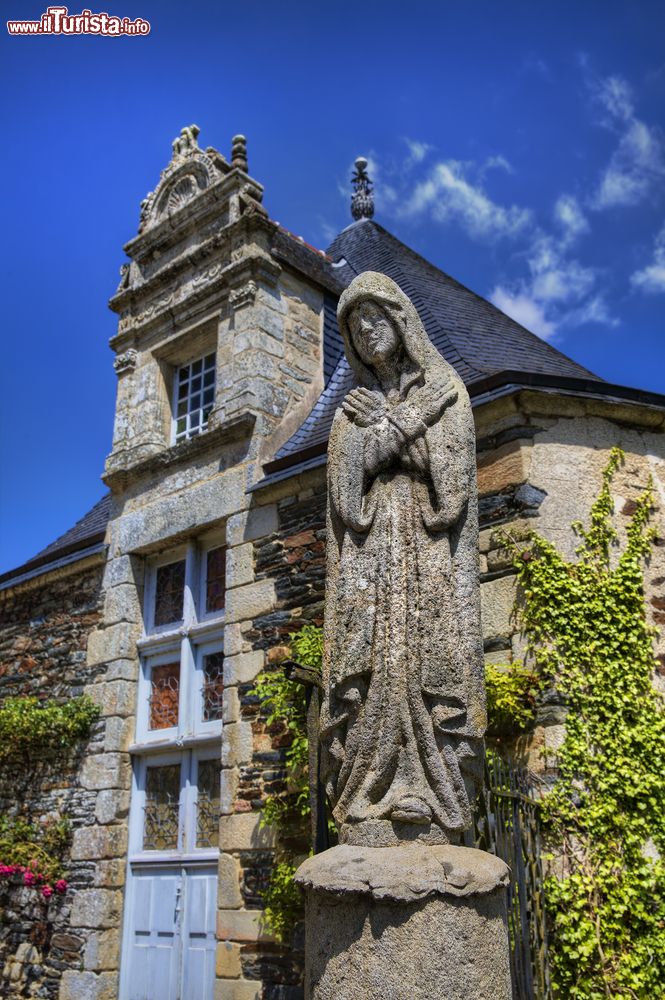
(195, 396)
(164, 696)
(169, 592)
(207, 804)
(162, 808)
(215, 579)
(213, 686)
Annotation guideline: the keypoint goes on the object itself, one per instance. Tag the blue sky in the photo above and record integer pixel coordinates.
(519, 146)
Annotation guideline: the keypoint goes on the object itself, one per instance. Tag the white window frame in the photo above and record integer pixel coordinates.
(150, 592)
(207, 546)
(188, 640)
(200, 428)
(203, 649)
(157, 659)
(187, 807)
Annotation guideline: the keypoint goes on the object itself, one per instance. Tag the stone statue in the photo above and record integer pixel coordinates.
(186, 143)
(403, 714)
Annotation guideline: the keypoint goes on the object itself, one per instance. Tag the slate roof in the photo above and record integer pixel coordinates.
(476, 338)
(85, 534)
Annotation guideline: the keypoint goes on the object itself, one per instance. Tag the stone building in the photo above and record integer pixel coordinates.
(165, 601)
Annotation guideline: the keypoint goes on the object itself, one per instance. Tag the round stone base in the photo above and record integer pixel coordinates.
(405, 923)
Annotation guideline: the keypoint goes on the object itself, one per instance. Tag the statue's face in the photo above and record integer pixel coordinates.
(374, 336)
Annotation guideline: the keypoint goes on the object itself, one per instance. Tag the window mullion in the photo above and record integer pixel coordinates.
(191, 585)
(184, 805)
(189, 806)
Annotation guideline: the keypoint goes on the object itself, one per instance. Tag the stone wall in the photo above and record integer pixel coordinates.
(281, 544)
(44, 629)
(540, 465)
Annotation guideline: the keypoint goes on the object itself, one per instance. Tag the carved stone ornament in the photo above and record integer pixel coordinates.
(403, 712)
(190, 171)
(124, 278)
(125, 362)
(243, 296)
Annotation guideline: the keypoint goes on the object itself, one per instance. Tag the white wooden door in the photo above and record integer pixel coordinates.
(154, 940)
(171, 934)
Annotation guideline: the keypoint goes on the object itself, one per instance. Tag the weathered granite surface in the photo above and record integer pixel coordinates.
(404, 711)
(427, 923)
(396, 910)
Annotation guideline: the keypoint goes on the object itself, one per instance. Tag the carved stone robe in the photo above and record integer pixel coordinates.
(403, 714)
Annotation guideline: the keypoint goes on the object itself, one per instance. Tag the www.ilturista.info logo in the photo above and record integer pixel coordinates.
(58, 21)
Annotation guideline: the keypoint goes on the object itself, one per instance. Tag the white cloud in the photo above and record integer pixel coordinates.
(525, 310)
(568, 282)
(417, 151)
(638, 161)
(554, 278)
(447, 194)
(497, 163)
(559, 291)
(651, 279)
(594, 310)
(615, 97)
(570, 216)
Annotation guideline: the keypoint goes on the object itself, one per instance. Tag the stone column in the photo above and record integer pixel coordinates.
(398, 910)
(423, 923)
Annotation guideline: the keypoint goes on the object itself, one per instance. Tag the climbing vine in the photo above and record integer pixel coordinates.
(512, 697)
(288, 811)
(30, 727)
(587, 633)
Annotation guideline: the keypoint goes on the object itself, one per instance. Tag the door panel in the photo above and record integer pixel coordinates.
(153, 942)
(198, 935)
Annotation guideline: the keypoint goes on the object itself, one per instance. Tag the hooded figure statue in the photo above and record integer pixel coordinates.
(403, 713)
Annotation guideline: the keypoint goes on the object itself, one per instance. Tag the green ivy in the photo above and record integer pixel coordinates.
(587, 633)
(288, 812)
(30, 727)
(512, 694)
(282, 900)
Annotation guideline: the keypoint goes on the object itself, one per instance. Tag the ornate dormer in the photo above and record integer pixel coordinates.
(203, 316)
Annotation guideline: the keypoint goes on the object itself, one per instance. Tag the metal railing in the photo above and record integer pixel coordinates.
(506, 823)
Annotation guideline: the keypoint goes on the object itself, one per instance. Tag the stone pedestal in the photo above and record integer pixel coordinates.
(412, 922)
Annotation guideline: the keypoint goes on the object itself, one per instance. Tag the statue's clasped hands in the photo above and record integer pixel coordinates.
(429, 401)
(364, 407)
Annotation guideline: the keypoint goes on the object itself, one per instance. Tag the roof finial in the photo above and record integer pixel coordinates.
(239, 152)
(362, 199)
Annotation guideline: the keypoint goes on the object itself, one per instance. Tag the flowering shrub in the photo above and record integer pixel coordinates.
(34, 879)
(33, 854)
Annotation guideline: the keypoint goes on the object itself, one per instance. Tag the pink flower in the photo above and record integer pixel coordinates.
(61, 885)
(47, 891)
(29, 878)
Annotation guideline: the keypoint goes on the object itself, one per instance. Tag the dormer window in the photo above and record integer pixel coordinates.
(194, 395)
